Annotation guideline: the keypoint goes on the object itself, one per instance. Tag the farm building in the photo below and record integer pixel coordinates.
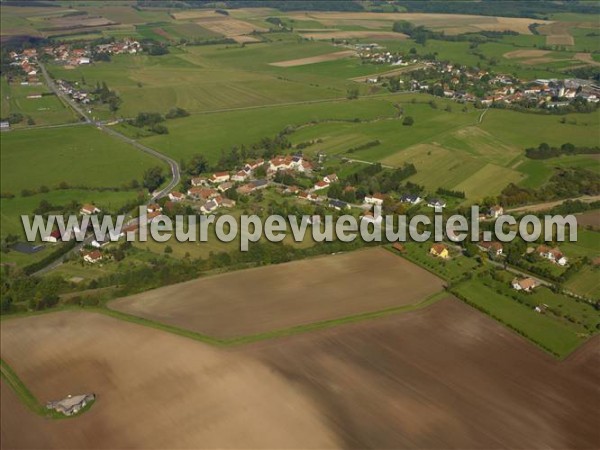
(72, 404)
(92, 257)
(375, 199)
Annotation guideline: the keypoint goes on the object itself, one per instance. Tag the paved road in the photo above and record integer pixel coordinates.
(173, 165)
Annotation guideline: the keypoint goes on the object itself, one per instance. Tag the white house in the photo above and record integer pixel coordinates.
(219, 177)
(436, 203)
(89, 209)
(375, 199)
(524, 284)
(209, 206)
(552, 254)
(333, 178)
(321, 185)
(176, 196)
(92, 257)
(242, 175)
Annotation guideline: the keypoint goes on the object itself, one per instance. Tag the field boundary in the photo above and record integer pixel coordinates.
(26, 396)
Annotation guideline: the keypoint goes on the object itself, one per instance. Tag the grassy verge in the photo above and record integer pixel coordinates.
(274, 333)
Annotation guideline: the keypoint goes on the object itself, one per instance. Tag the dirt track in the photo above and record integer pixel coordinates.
(442, 377)
(280, 296)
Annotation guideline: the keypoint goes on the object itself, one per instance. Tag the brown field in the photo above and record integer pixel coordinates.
(389, 73)
(79, 22)
(281, 296)
(354, 35)
(518, 54)
(154, 390)
(451, 23)
(586, 57)
(198, 14)
(314, 59)
(589, 219)
(560, 39)
(442, 377)
(228, 27)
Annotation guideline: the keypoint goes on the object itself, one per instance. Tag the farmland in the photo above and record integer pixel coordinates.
(392, 372)
(79, 156)
(343, 285)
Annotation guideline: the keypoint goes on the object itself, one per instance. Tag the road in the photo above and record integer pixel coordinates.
(173, 165)
(548, 205)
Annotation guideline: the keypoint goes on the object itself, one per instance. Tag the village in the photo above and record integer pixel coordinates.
(471, 84)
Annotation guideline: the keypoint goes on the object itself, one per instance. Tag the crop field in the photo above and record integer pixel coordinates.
(325, 389)
(375, 34)
(314, 59)
(80, 156)
(286, 295)
(589, 219)
(136, 372)
(450, 23)
(586, 282)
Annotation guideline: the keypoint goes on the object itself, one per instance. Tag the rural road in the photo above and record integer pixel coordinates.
(548, 205)
(174, 166)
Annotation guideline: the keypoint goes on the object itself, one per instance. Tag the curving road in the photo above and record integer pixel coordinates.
(86, 120)
(174, 165)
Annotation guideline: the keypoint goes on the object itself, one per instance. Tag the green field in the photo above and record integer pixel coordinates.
(47, 110)
(79, 156)
(554, 335)
(586, 282)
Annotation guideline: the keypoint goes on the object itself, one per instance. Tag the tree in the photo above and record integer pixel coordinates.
(153, 178)
(408, 121)
(197, 165)
(352, 93)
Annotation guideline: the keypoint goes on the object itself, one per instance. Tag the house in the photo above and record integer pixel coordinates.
(219, 177)
(4, 125)
(176, 196)
(338, 204)
(333, 178)
(439, 251)
(55, 236)
(101, 243)
(92, 257)
(413, 199)
(375, 199)
(245, 189)
(399, 247)
(209, 206)
(259, 184)
(436, 203)
(202, 193)
(496, 211)
(153, 208)
(291, 190)
(524, 284)
(89, 209)
(72, 404)
(552, 254)
(242, 175)
(225, 186)
(225, 202)
(308, 196)
(151, 217)
(254, 164)
(321, 185)
(495, 248)
(199, 181)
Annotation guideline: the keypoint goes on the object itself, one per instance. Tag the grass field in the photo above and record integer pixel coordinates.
(554, 335)
(80, 156)
(585, 282)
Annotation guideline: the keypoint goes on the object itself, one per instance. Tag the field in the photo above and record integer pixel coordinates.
(80, 156)
(286, 295)
(47, 110)
(314, 59)
(374, 35)
(449, 23)
(586, 282)
(401, 376)
(589, 219)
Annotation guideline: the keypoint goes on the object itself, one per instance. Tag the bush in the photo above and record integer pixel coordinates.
(408, 121)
